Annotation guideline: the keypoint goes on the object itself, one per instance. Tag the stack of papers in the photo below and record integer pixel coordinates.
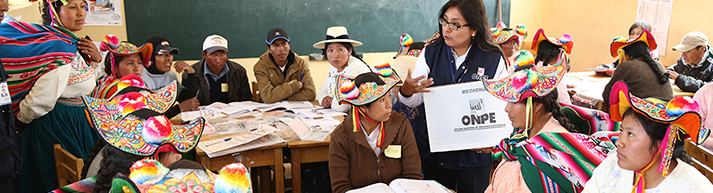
(261, 137)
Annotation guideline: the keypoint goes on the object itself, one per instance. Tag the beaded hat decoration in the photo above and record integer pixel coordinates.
(134, 122)
(502, 33)
(681, 113)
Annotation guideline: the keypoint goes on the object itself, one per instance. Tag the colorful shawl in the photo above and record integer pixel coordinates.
(106, 87)
(556, 162)
(85, 185)
(29, 51)
(589, 121)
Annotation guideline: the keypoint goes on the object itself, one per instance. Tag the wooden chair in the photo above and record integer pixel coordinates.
(256, 91)
(69, 168)
(702, 158)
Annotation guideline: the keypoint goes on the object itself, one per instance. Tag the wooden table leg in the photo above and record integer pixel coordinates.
(279, 172)
(296, 170)
(265, 179)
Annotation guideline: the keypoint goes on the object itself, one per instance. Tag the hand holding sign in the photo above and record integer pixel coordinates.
(415, 85)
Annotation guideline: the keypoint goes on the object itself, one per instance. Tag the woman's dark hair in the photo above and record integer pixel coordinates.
(46, 15)
(98, 145)
(550, 104)
(640, 50)
(114, 161)
(641, 23)
(656, 132)
(368, 77)
(346, 45)
(474, 13)
(107, 63)
(546, 52)
(185, 164)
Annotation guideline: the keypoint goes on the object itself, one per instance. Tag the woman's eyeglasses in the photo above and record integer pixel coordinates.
(454, 26)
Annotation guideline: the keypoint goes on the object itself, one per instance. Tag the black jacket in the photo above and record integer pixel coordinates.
(238, 86)
(690, 79)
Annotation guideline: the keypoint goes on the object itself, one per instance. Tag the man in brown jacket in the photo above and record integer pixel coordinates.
(280, 74)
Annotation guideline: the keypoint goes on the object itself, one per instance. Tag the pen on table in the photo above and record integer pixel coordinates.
(317, 109)
(302, 76)
(226, 139)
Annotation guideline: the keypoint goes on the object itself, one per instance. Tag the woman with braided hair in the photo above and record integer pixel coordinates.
(645, 76)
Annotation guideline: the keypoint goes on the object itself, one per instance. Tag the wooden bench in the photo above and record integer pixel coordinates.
(702, 158)
(69, 167)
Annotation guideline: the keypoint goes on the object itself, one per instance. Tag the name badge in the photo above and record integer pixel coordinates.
(393, 151)
(4, 94)
(224, 87)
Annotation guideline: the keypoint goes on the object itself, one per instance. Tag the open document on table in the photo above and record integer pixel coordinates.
(464, 116)
(404, 186)
(260, 137)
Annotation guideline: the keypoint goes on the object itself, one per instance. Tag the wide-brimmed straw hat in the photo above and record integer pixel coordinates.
(336, 34)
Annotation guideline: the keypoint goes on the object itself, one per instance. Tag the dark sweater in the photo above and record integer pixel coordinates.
(641, 79)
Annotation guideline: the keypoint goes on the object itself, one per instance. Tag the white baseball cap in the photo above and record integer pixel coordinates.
(690, 41)
(214, 43)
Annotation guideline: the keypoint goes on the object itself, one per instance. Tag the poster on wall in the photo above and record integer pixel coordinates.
(464, 116)
(658, 14)
(103, 13)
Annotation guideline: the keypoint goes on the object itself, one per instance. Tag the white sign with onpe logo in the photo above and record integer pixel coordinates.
(464, 116)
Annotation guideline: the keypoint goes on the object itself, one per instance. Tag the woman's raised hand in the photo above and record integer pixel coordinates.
(413, 85)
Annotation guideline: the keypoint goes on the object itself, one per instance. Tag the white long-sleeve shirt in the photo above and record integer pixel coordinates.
(68, 81)
(354, 68)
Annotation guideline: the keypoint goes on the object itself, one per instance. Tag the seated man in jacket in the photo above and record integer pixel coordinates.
(280, 73)
(219, 79)
(693, 70)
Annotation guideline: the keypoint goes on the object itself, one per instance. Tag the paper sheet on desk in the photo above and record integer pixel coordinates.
(318, 113)
(224, 143)
(267, 140)
(307, 132)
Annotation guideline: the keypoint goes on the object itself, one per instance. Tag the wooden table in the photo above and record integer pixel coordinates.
(264, 156)
(301, 152)
(589, 86)
(305, 152)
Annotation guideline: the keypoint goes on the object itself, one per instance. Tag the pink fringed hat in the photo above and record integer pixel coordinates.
(681, 113)
(533, 82)
(117, 48)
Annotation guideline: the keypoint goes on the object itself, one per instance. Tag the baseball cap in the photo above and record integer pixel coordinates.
(690, 41)
(161, 45)
(276, 33)
(214, 43)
